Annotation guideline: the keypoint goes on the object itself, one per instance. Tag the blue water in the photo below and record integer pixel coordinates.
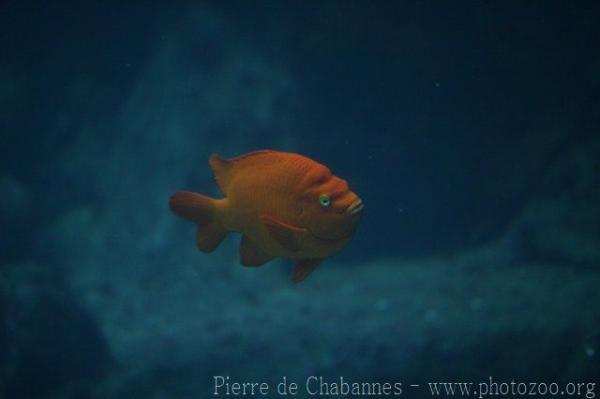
(469, 130)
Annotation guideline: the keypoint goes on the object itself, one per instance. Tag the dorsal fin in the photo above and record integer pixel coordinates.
(223, 168)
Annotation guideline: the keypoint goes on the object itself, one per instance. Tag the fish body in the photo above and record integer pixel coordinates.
(283, 204)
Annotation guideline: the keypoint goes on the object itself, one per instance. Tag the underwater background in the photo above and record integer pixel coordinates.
(470, 129)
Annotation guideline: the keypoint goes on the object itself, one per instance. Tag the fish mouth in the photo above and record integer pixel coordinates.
(355, 207)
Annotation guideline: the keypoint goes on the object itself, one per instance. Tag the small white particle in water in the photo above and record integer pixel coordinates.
(348, 289)
(589, 351)
(476, 303)
(431, 315)
(381, 305)
(437, 84)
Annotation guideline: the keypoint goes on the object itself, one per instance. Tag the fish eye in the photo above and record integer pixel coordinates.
(324, 200)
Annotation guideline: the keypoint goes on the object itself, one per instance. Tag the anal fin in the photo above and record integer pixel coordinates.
(209, 237)
(251, 255)
(303, 268)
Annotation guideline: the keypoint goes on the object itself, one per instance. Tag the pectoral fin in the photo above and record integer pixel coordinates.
(287, 235)
(303, 268)
(251, 255)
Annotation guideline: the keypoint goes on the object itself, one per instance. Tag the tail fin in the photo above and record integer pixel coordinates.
(201, 210)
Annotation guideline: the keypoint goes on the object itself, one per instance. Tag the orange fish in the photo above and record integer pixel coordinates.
(284, 204)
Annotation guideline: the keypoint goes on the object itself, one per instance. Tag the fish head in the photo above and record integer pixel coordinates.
(330, 211)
